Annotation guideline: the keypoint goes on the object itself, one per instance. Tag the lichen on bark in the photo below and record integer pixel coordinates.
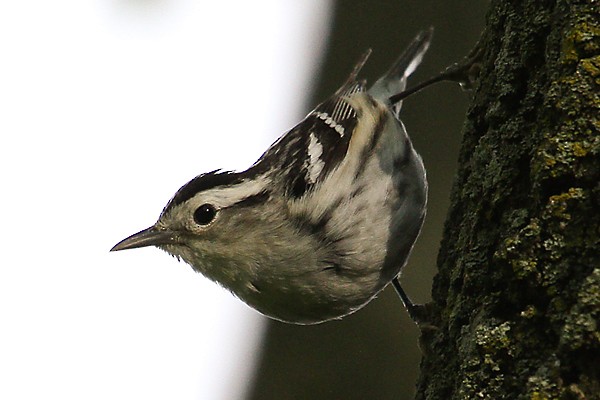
(517, 298)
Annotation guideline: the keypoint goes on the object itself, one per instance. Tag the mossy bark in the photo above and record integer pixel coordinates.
(516, 303)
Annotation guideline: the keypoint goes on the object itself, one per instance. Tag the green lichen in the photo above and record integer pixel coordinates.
(485, 350)
(542, 387)
(581, 324)
(518, 251)
(591, 66)
(533, 251)
(557, 206)
(581, 37)
(576, 98)
(562, 149)
(493, 339)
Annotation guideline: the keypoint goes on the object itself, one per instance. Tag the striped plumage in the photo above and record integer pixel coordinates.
(325, 218)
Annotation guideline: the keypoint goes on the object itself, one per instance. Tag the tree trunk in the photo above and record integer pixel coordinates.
(516, 302)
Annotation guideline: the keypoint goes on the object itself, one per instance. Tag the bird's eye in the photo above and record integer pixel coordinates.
(205, 214)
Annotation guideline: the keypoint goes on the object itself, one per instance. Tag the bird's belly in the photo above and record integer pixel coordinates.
(323, 296)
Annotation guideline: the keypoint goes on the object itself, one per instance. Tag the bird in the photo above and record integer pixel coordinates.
(324, 220)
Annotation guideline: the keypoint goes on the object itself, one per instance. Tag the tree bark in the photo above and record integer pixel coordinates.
(516, 302)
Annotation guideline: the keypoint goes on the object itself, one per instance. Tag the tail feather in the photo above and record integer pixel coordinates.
(394, 81)
(353, 84)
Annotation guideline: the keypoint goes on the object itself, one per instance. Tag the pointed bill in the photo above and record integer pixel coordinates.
(148, 237)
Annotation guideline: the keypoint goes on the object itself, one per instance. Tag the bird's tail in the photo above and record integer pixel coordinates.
(394, 81)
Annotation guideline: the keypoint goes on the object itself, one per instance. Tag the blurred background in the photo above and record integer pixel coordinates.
(108, 107)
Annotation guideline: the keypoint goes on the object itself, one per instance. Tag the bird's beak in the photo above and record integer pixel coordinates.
(148, 237)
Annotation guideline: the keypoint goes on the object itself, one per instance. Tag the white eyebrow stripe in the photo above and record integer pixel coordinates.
(223, 197)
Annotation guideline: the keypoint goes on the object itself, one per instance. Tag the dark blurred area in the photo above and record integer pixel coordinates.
(374, 353)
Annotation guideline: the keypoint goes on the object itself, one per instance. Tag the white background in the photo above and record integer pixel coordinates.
(106, 109)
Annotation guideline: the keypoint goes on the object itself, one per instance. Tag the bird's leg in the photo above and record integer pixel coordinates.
(465, 73)
(417, 312)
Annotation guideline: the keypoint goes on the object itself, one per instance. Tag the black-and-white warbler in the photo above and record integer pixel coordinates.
(323, 221)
